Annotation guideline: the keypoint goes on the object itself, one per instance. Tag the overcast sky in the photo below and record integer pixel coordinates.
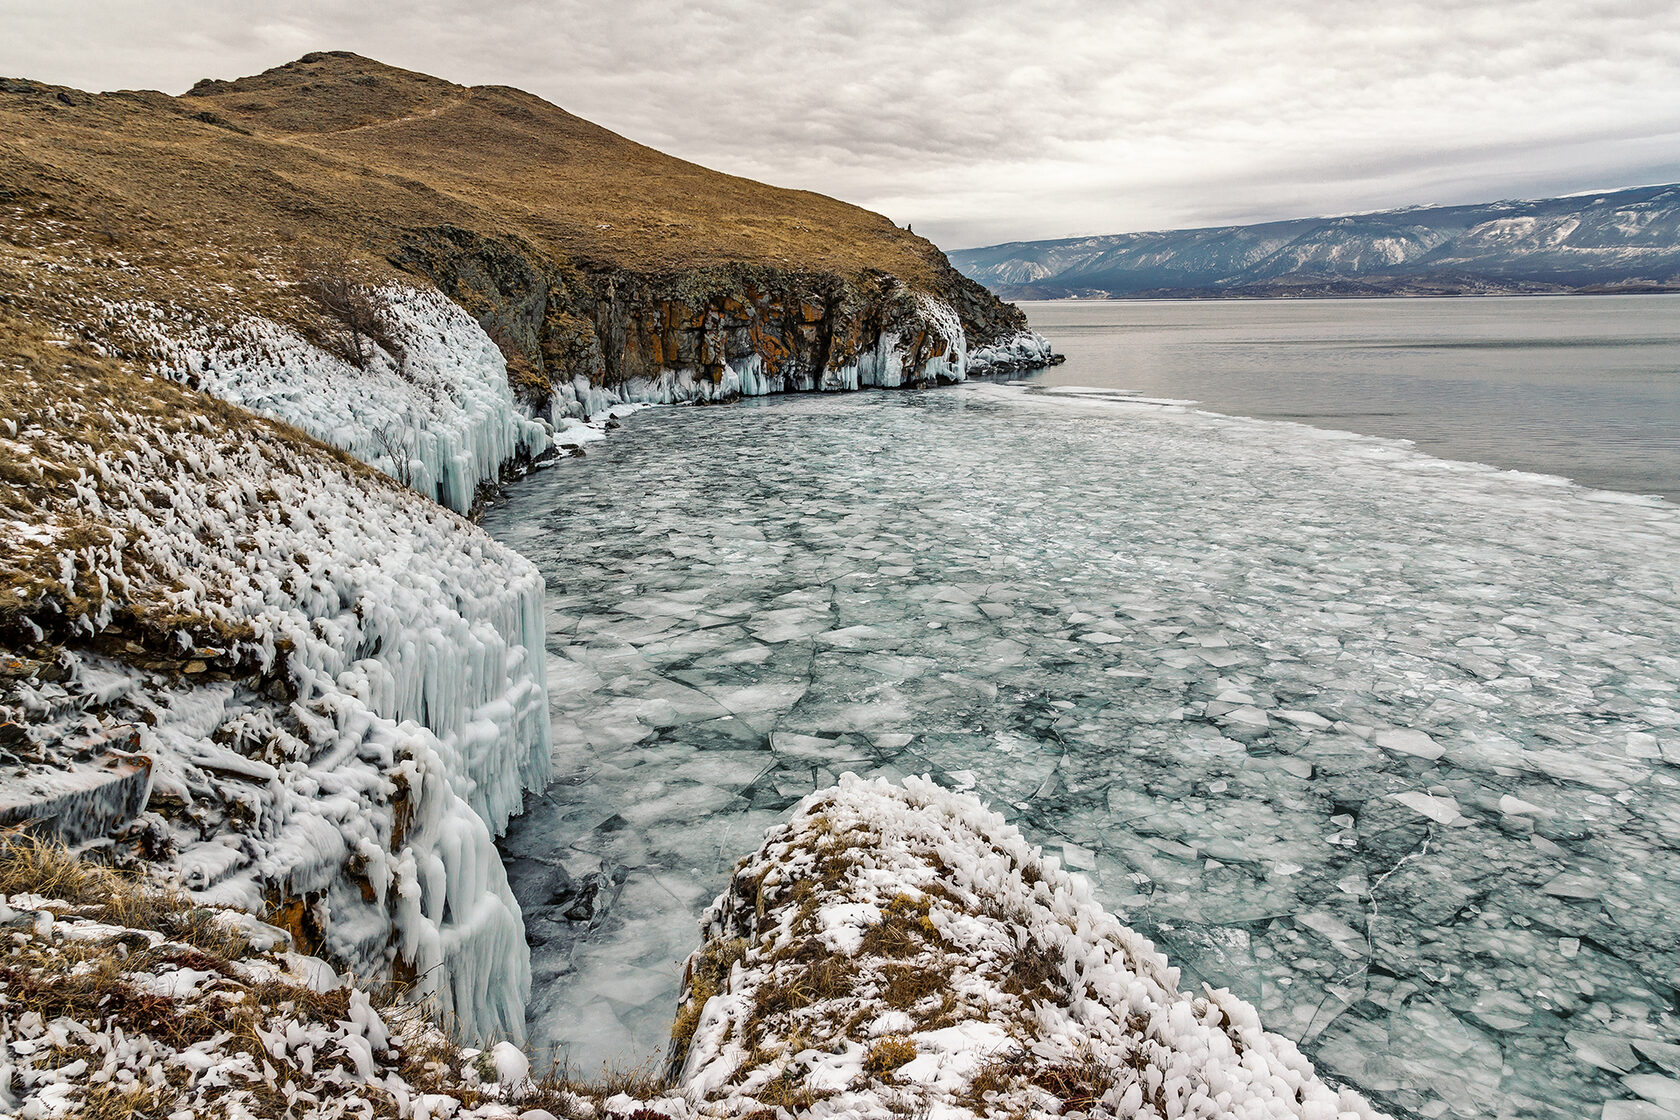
(982, 122)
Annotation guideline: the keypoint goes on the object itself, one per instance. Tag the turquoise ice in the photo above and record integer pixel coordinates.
(1386, 744)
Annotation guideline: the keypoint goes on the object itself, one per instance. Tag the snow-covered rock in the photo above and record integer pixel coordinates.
(926, 347)
(901, 950)
(1025, 350)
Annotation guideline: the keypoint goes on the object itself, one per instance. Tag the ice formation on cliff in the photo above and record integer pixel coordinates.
(402, 710)
(440, 416)
(886, 363)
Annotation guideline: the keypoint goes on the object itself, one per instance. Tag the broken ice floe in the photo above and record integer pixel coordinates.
(1069, 605)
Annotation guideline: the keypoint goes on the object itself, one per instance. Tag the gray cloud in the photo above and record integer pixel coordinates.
(983, 121)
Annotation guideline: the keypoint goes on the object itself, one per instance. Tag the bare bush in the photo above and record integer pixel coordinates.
(358, 311)
(394, 445)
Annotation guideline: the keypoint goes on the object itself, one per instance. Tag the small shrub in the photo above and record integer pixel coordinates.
(360, 316)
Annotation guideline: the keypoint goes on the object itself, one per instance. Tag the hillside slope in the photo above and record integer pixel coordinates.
(580, 252)
(1618, 240)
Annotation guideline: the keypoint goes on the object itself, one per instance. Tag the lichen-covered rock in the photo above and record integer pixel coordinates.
(902, 951)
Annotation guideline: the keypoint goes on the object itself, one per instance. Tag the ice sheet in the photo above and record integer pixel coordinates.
(1327, 718)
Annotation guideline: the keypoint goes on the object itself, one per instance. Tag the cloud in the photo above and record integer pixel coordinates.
(982, 121)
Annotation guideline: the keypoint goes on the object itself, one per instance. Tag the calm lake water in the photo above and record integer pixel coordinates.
(1580, 386)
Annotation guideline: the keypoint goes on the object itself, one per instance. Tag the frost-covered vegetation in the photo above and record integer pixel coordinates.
(339, 682)
(901, 951)
(121, 1000)
(891, 951)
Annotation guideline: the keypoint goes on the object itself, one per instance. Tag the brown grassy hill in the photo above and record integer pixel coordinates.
(557, 180)
(581, 251)
(337, 144)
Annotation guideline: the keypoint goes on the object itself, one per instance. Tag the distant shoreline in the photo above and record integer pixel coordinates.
(1613, 242)
(1192, 296)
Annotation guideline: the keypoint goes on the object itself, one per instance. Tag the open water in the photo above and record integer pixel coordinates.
(1587, 387)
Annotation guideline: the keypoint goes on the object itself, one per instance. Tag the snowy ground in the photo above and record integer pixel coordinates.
(1385, 744)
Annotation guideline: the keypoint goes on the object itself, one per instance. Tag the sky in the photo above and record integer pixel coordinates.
(980, 122)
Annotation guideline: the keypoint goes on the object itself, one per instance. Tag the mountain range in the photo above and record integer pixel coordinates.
(1622, 240)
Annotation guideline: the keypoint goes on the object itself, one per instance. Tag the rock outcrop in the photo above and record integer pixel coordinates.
(901, 951)
(716, 331)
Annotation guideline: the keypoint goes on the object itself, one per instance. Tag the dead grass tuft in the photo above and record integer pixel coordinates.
(903, 930)
(32, 865)
(887, 1055)
(708, 975)
(1035, 974)
(905, 986)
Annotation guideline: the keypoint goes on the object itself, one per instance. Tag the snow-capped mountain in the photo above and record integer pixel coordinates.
(1627, 239)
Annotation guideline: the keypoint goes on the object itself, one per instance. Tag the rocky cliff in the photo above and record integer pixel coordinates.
(711, 331)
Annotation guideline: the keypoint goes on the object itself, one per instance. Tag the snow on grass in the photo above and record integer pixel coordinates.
(903, 951)
(382, 705)
(117, 999)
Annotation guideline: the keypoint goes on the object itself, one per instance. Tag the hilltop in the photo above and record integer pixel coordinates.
(1625, 240)
(335, 144)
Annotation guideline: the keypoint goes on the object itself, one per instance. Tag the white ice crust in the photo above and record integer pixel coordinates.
(440, 417)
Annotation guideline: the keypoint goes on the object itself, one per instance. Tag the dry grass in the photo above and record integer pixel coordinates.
(1035, 974)
(903, 930)
(89, 981)
(32, 865)
(706, 979)
(887, 1055)
(341, 150)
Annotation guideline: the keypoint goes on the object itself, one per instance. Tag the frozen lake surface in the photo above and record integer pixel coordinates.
(1385, 743)
(1582, 386)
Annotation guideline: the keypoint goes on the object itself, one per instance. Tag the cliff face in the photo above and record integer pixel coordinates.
(738, 327)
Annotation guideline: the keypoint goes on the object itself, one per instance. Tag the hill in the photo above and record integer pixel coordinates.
(579, 251)
(1625, 240)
